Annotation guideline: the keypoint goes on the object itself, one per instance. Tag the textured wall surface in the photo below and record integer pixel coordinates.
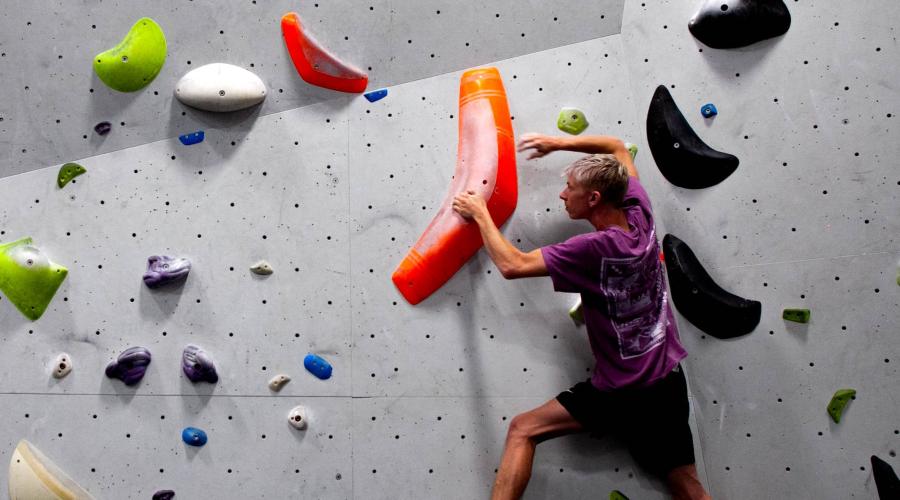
(332, 190)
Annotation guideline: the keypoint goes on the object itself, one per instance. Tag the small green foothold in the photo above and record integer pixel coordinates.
(796, 315)
(577, 313)
(632, 148)
(136, 60)
(68, 172)
(617, 495)
(838, 402)
(572, 121)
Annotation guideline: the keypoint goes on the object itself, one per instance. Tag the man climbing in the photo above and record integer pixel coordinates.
(637, 390)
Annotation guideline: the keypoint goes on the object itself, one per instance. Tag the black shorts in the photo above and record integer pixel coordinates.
(652, 421)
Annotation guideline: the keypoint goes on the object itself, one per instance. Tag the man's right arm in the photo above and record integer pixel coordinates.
(590, 144)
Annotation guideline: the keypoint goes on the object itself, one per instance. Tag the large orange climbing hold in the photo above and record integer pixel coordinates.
(485, 163)
(315, 64)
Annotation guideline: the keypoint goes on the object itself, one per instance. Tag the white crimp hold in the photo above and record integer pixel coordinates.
(278, 381)
(297, 418)
(62, 365)
(262, 267)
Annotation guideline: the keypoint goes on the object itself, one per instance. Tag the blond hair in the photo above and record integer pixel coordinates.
(603, 173)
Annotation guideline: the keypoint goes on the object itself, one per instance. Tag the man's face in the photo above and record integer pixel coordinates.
(576, 199)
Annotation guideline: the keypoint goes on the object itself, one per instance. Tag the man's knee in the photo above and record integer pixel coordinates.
(521, 428)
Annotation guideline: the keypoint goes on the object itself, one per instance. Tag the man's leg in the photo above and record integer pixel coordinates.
(684, 484)
(525, 432)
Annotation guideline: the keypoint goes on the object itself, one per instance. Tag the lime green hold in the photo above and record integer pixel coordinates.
(572, 121)
(617, 495)
(28, 278)
(838, 402)
(68, 172)
(796, 315)
(577, 313)
(136, 61)
(632, 148)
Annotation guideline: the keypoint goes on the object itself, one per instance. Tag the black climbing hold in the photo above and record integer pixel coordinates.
(885, 479)
(729, 24)
(164, 495)
(682, 157)
(703, 302)
(102, 128)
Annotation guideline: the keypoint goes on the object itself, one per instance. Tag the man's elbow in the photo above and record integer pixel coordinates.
(509, 271)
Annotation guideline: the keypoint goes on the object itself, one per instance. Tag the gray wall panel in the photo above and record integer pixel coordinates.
(47, 48)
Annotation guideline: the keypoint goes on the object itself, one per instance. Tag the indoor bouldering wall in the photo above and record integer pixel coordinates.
(332, 190)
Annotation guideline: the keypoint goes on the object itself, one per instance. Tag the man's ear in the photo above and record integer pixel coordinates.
(594, 199)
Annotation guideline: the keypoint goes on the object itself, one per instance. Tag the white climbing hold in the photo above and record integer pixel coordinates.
(297, 418)
(278, 381)
(62, 366)
(34, 476)
(262, 267)
(220, 87)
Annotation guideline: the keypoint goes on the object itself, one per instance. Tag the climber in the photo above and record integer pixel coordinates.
(637, 390)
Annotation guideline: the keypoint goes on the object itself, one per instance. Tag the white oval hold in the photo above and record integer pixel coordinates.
(62, 366)
(278, 381)
(262, 268)
(297, 418)
(220, 87)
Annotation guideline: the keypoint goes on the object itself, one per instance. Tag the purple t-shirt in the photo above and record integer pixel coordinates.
(623, 291)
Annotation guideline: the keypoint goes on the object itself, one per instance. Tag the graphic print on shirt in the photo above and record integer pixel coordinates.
(636, 300)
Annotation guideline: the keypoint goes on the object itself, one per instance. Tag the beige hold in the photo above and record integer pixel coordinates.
(62, 366)
(297, 418)
(262, 268)
(32, 476)
(278, 381)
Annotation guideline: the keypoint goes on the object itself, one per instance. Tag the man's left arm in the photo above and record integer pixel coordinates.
(512, 262)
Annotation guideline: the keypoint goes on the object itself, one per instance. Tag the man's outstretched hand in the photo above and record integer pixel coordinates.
(470, 205)
(541, 144)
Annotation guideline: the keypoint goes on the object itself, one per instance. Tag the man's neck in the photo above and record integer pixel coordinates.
(606, 217)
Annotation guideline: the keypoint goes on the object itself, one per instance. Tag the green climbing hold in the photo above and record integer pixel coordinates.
(28, 278)
(838, 402)
(136, 60)
(68, 172)
(577, 313)
(617, 495)
(572, 121)
(796, 315)
(632, 148)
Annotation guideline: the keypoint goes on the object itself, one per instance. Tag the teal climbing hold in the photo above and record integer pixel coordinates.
(838, 402)
(136, 60)
(796, 315)
(68, 172)
(572, 121)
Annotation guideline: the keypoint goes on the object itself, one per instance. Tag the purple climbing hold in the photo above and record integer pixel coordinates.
(164, 495)
(197, 365)
(163, 269)
(103, 128)
(130, 366)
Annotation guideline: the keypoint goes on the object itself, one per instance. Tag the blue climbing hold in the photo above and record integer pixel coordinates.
(375, 95)
(192, 138)
(193, 436)
(317, 366)
(709, 110)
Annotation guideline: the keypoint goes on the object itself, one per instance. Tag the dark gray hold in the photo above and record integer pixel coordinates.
(130, 366)
(729, 24)
(886, 480)
(682, 157)
(197, 365)
(164, 495)
(102, 128)
(701, 300)
(163, 269)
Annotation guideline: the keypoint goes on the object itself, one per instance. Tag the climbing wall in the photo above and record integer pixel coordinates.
(333, 190)
(808, 220)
